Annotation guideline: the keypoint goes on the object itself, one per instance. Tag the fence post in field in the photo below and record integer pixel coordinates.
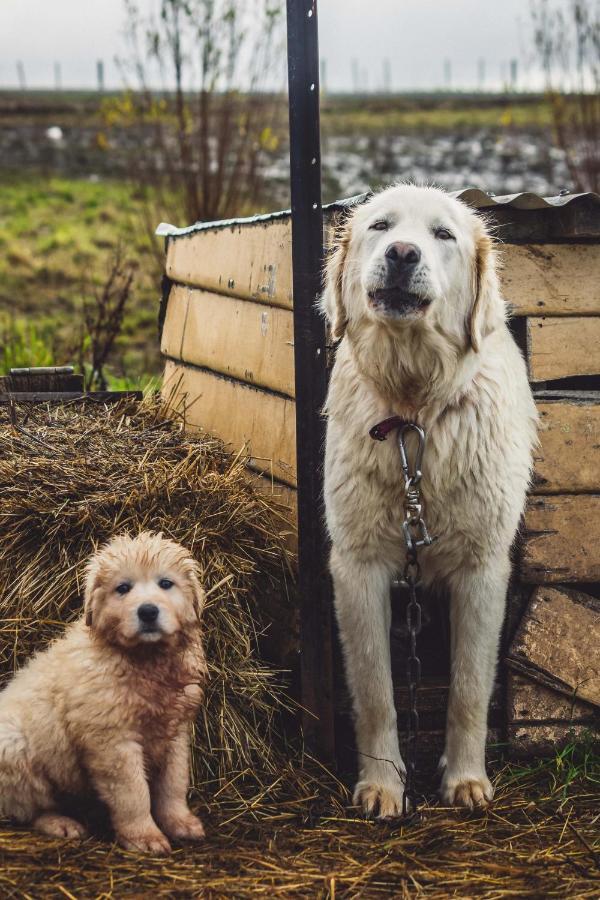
(310, 374)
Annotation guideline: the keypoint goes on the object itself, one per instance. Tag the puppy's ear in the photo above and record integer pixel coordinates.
(488, 310)
(332, 302)
(92, 590)
(192, 575)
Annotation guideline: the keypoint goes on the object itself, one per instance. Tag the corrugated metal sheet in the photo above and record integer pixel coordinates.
(473, 196)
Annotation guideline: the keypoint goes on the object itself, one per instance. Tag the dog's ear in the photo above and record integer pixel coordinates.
(193, 575)
(92, 589)
(332, 302)
(488, 310)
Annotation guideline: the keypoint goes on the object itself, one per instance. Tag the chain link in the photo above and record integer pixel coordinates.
(416, 536)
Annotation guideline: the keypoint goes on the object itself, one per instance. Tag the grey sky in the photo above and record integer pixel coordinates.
(415, 35)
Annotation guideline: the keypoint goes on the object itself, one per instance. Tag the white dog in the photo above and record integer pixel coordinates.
(412, 290)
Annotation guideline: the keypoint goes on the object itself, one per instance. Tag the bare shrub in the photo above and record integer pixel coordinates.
(567, 43)
(102, 311)
(204, 136)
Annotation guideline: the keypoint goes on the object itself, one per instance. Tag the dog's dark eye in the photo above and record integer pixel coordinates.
(123, 588)
(381, 225)
(165, 584)
(443, 234)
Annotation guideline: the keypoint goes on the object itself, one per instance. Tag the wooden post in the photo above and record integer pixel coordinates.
(310, 374)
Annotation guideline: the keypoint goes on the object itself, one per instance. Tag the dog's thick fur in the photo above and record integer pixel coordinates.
(427, 341)
(108, 705)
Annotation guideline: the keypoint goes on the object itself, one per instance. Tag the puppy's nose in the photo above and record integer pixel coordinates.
(402, 256)
(148, 613)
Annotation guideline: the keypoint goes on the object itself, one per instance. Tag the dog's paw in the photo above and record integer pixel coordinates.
(379, 801)
(474, 792)
(60, 826)
(184, 828)
(150, 840)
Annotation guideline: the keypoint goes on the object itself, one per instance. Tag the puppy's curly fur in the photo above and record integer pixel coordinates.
(109, 705)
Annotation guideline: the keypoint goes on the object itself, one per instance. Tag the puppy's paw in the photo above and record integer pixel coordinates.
(149, 840)
(475, 792)
(183, 828)
(379, 801)
(60, 826)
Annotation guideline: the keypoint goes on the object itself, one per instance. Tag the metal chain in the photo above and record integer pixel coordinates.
(416, 535)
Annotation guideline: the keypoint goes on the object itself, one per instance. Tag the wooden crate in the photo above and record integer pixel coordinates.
(228, 343)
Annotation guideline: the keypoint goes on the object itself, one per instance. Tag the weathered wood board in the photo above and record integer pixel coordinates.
(557, 643)
(561, 539)
(561, 347)
(249, 341)
(568, 458)
(553, 279)
(242, 416)
(532, 702)
(251, 260)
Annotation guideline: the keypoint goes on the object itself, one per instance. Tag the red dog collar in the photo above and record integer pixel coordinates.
(380, 431)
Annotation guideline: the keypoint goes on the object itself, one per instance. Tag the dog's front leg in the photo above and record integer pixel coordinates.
(118, 773)
(169, 792)
(477, 610)
(363, 612)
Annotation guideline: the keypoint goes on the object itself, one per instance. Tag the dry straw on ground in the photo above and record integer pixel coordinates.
(277, 824)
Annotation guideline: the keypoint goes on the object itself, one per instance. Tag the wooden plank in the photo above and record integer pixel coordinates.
(544, 739)
(171, 339)
(562, 347)
(530, 702)
(568, 458)
(242, 416)
(250, 260)
(557, 643)
(248, 341)
(36, 382)
(555, 279)
(561, 540)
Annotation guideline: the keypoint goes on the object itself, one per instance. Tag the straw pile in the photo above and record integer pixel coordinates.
(72, 476)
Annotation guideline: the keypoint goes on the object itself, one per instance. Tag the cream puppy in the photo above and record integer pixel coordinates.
(412, 292)
(109, 705)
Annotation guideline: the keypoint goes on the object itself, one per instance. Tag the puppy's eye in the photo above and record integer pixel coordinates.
(381, 225)
(123, 588)
(165, 584)
(443, 234)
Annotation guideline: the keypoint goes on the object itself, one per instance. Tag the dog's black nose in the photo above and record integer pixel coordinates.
(148, 613)
(402, 256)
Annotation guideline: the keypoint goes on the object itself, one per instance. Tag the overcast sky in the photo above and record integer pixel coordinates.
(356, 36)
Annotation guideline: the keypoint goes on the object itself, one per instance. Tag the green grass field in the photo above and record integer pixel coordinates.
(58, 237)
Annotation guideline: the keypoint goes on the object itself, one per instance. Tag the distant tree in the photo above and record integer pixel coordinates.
(206, 133)
(567, 44)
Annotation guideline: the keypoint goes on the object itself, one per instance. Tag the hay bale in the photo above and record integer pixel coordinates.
(71, 477)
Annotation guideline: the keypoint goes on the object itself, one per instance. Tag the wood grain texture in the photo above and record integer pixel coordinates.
(245, 340)
(557, 643)
(252, 261)
(558, 279)
(568, 458)
(561, 539)
(242, 416)
(531, 702)
(562, 347)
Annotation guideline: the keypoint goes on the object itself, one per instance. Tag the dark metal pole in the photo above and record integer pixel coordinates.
(311, 376)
